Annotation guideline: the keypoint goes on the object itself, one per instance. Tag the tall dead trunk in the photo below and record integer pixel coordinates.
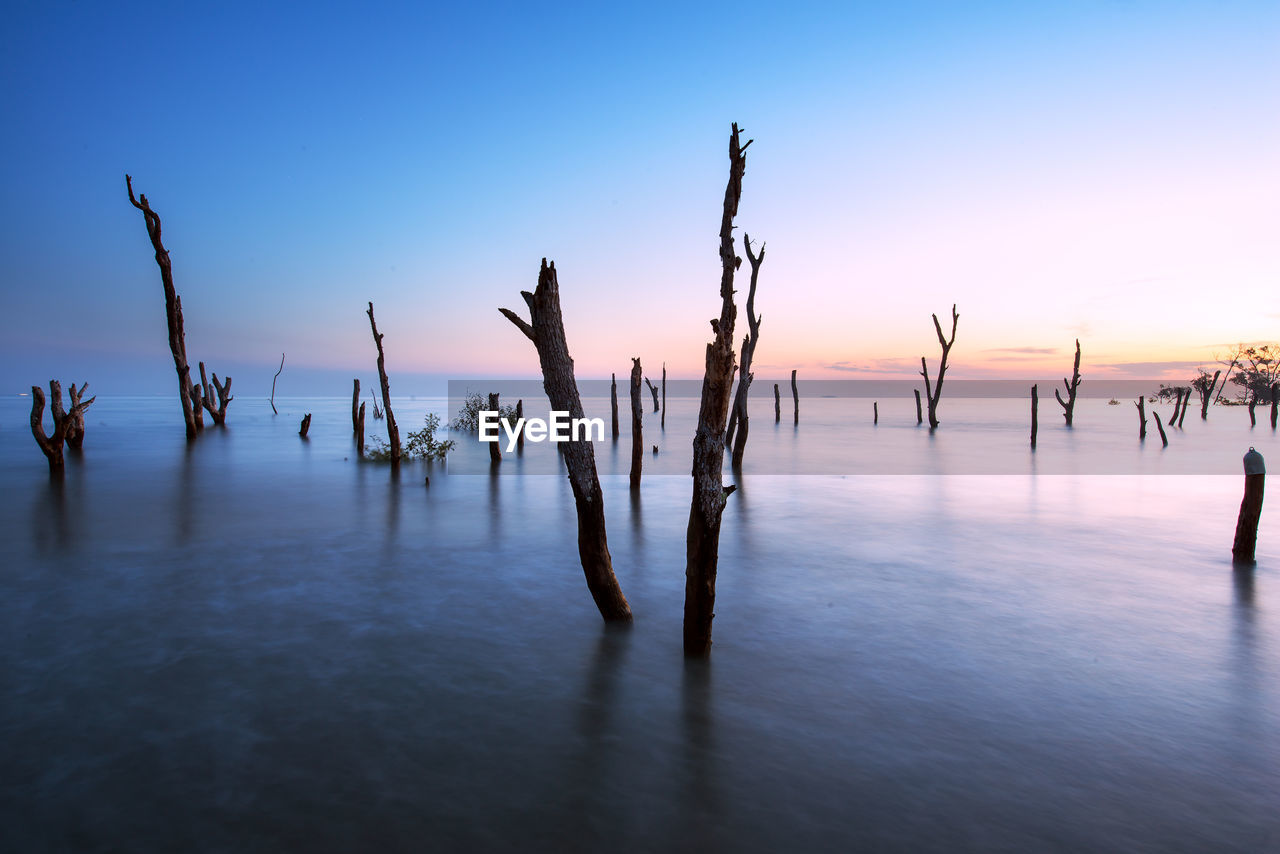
(1142, 420)
(702, 542)
(653, 390)
(393, 432)
(1183, 416)
(219, 415)
(546, 331)
(1068, 405)
(795, 396)
(745, 375)
(75, 418)
(637, 439)
(777, 404)
(273, 385)
(360, 431)
(355, 408)
(197, 405)
(495, 451)
(934, 393)
(51, 444)
(1177, 406)
(1035, 412)
(172, 308)
(613, 403)
(919, 413)
(662, 419)
(1206, 395)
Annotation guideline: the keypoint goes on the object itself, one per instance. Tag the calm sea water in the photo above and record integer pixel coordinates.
(259, 643)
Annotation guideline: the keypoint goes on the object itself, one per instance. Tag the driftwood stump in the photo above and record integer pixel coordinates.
(1163, 438)
(172, 308)
(393, 432)
(51, 444)
(75, 418)
(934, 393)
(777, 404)
(919, 413)
(219, 415)
(495, 449)
(1068, 405)
(1183, 416)
(1035, 412)
(795, 396)
(1275, 402)
(653, 390)
(1246, 540)
(546, 331)
(355, 409)
(637, 438)
(360, 431)
(305, 425)
(702, 541)
(613, 403)
(1142, 420)
(875, 412)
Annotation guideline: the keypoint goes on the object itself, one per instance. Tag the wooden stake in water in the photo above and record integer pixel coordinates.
(1255, 475)
(1035, 413)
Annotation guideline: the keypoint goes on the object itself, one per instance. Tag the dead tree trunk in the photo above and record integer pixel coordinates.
(1253, 403)
(51, 445)
(653, 390)
(637, 439)
(519, 418)
(662, 419)
(197, 405)
(702, 541)
(360, 432)
(875, 412)
(919, 413)
(273, 385)
(777, 404)
(305, 425)
(75, 418)
(934, 393)
(1035, 412)
(355, 408)
(1255, 479)
(377, 413)
(749, 341)
(1183, 416)
(795, 396)
(1068, 405)
(546, 331)
(613, 403)
(172, 308)
(1163, 438)
(219, 415)
(1142, 420)
(1177, 406)
(1206, 395)
(393, 432)
(495, 452)
(1275, 402)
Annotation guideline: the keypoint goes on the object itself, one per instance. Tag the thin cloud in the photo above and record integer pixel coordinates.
(1144, 369)
(1024, 351)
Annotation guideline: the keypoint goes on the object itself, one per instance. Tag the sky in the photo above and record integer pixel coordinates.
(1108, 171)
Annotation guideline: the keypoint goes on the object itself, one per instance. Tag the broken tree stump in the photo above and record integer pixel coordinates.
(1275, 401)
(360, 431)
(1183, 416)
(1035, 412)
(172, 308)
(919, 412)
(495, 451)
(777, 404)
(1142, 420)
(934, 393)
(613, 403)
(637, 440)
(356, 426)
(51, 444)
(653, 390)
(305, 425)
(546, 330)
(393, 432)
(75, 418)
(875, 412)
(702, 539)
(1246, 540)
(795, 397)
(1163, 438)
(1068, 405)
(219, 415)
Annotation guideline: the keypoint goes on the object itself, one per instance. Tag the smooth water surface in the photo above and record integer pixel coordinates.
(260, 643)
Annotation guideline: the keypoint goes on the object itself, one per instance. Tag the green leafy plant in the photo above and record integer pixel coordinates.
(468, 417)
(419, 444)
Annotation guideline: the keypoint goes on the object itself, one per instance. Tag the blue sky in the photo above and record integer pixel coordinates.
(1101, 170)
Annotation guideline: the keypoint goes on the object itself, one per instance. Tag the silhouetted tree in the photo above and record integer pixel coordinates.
(393, 432)
(1068, 405)
(934, 394)
(546, 330)
(739, 417)
(51, 444)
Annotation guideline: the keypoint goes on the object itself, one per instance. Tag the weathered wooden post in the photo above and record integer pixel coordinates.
(637, 438)
(305, 425)
(662, 419)
(613, 400)
(934, 394)
(1255, 475)
(393, 432)
(356, 427)
(495, 451)
(777, 404)
(919, 411)
(1142, 419)
(875, 412)
(795, 396)
(545, 329)
(1069, 405)
(1035, 412)
(1160, 427)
